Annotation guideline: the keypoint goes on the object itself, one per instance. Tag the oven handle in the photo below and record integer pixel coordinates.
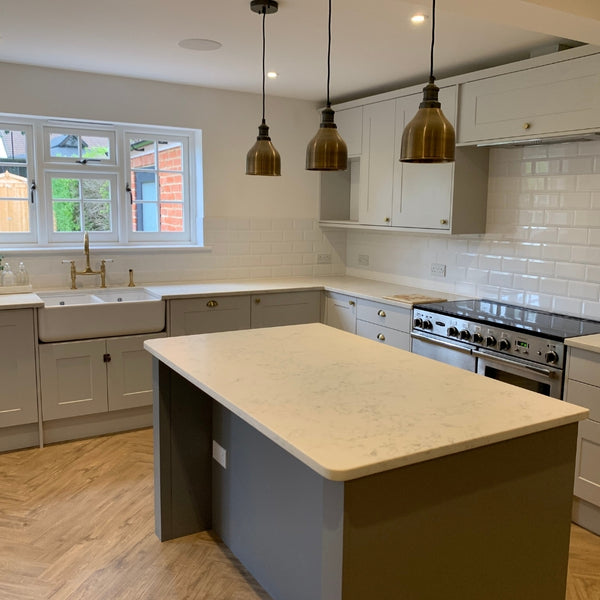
(443, 344)
(514, 363)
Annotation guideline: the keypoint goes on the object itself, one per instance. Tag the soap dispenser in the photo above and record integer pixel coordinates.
(22, 275)
(8, 277)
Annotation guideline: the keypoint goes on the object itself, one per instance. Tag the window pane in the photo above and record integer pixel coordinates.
(144, 186)
(14, 216)
(145, 217)
(64, 145)
(67, 189)
(95, 189)
(67, 216)
(143, 154)
(171, 217)
(170, 157)
(13, 147)
(96, 216)
(95, 147)
(171, 187)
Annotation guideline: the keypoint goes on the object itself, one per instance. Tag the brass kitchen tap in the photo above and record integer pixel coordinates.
(88, 269)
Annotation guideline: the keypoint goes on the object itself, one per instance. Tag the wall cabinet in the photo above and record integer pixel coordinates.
(552, 99)
(18, 389)
(285, 308)
(583, 388)
(350, 126)
(384, 323)
(340, 311)
(95, 376)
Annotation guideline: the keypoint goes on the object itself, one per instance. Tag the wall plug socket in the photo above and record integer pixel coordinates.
(363, 260)
(438, 270)
(323, 259)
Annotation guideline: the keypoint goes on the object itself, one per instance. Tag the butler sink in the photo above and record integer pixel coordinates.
(81, 315)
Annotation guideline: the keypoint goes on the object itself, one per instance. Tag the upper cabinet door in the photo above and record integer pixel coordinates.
(423, 193)
(377, 163)
(552, 99)
(349, 125)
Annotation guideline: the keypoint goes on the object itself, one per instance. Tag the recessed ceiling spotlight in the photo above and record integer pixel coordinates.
(272, 75)
(418, 19)
(199, 44)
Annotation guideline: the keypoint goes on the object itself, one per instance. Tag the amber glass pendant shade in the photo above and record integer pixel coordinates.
(263, 158)
(327, 151)
(429, 137)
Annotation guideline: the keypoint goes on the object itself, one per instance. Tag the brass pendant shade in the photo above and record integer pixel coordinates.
(263, 158)
(429, 137)
(327, 151)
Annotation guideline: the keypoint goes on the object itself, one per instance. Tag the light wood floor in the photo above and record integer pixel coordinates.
(76, 523)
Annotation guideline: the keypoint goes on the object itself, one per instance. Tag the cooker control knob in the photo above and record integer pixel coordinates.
(551, 357)
(427, 324)
(477, 338)
(418, 322)
(504, 344)
(465, 334)
(452, 331)
(490, 340)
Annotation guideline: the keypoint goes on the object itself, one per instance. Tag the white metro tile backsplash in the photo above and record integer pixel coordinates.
(542, 240)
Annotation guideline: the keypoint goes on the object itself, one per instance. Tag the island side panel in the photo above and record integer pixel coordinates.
(282, 520)
(490, 523)
(182, 455)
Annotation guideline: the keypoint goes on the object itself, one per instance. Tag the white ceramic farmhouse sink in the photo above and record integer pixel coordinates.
(101, 313)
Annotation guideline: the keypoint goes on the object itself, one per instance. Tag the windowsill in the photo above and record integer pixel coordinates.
(107, 248)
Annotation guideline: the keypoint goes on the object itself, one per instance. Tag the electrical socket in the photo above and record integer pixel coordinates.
(438, 270)
(363, 260)
(324, 259)
(219, 454)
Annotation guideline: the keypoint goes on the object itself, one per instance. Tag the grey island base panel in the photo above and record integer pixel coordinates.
(490, 523)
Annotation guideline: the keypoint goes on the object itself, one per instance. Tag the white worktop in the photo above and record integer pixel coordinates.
(29, 300)
(585, 342)
(349, 407)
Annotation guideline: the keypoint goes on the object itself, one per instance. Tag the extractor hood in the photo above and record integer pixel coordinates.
(538, 141)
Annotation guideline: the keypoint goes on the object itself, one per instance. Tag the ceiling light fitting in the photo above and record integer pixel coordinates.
(429, 137)
(263, 158)
(327, 151)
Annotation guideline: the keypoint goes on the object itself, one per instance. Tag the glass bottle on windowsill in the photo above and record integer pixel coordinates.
(22, 275)
(8, 277)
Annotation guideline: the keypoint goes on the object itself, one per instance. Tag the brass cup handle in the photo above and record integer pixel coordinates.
(387, 220)
(381, 313)
(526, 125)
(381, 337)
(351, 302)
(443, 221)
(212, 303)
(256, 300)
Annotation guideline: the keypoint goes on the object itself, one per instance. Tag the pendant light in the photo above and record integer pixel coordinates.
(262, 158)
(327, 151)
(429, 137)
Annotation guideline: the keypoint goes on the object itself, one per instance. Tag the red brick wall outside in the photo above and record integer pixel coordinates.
(171, 187)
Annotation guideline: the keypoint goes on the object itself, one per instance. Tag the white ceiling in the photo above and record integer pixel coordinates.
(375, 47)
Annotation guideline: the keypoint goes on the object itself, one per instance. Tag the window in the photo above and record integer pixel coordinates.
(123, 185)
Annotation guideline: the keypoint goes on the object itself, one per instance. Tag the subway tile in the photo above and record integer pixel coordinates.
(238, 224)
(282, 271)
(588, 147)
(260, 272)
(547, 167)
(312, 236)
(514, 265)
(556, 287)
(281, 247)
(543, 234)
(293, 236)
(239, 248)
(270, 260)
(260, 248)
(570, 271)
(591, 310)
(588, 183)
(541, 301)
(556, 252)
(569, 306)
(575, 200)
(282, 224)
(530, 217)
(478, 276)
(260, 224)
(271, 236)
(489, 262)
(592, 274)
(321, 270)
(250, 260)
(529, 250)
(586, 254)
(531, 152)
(533, 184)
(578, 165)
(302, 271)
(594, 237)
(529, 283)
(248, 236)
(302, 246)
(562, 183)
(572, 235)
(304, 224)
(512, 296)
(585, 291)
(587, 218)
(545, 200)
(500, 279)
(540, 267)
(595, 199)
(562, 218)
(561, 150)
(488, 291)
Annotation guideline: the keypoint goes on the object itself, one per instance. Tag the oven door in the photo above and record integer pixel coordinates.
(543, 379)
(451, 353)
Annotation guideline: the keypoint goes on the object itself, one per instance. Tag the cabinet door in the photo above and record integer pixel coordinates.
(286, 308)
(349, 124)
(377, 163)
(422, 192)
(209, 315)
(129, 372)
(73, 379)
(587, 466)
(18, 390)
(340, 311)
(552, 99)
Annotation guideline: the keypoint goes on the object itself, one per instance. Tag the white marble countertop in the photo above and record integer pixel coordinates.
(349, 407)
(585, 342)
(29, 300)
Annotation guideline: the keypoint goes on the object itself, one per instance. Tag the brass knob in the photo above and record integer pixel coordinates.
(212, 303)
(443, 221)
(381, 313)
(381, 337)
(256, 300)
(387, 219)
(526, 125)
(351, 302)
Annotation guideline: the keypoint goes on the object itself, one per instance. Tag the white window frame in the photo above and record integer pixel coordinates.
(117, 169)
(32, 184)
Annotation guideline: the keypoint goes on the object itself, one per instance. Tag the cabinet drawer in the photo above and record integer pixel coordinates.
(380, 313)
(286, 308)
(209, 314)
(384, 335)
(585, 395)
(583, 366)
(587, 467)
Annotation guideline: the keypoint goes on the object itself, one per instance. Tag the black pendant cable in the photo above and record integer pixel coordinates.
(263, 158)
(429, 137)
(327, 151)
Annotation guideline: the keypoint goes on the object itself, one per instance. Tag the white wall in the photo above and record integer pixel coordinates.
(254, 214)
(542, 246)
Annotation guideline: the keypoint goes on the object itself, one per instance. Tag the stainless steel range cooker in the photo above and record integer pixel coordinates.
(515, 344)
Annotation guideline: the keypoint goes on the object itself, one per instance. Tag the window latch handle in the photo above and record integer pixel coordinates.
(33, 188)
(128, 190)
(82, 161)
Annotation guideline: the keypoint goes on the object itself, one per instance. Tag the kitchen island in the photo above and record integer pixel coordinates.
(344, 469)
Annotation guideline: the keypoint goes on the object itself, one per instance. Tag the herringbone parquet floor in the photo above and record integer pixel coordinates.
(76, 523)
